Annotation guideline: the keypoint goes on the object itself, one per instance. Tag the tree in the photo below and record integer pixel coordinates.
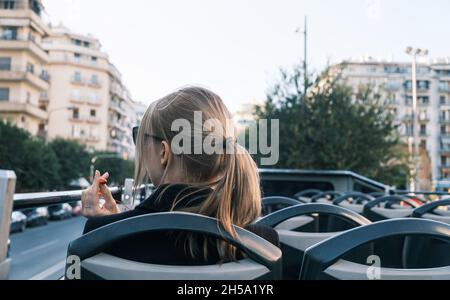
(73, 159)
(35, 165)
(118, 168)
(335, 129)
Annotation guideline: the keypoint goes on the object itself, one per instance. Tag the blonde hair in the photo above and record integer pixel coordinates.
(233, 177)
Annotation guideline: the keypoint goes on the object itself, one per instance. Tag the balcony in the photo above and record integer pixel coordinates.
(94, 102)
(444, 120)
(78, 81)
(92, 138)
(76, 99)
(445, 168)
(391, 102)
(392, 87)
(116, 107)
(93, 120)
(95, 84)
(25, 108)
(44, 97)
(76, 119)
(407, 118)
(444, 89)
(116, 90)
(424, 118)
(20, 73)
(445, 151)
(26, 44)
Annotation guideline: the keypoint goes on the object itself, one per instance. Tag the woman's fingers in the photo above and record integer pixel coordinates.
(110, 203)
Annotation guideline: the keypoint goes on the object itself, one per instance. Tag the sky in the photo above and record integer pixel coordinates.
(237, 47)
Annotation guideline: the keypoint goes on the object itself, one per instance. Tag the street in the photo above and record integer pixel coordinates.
(39, 253)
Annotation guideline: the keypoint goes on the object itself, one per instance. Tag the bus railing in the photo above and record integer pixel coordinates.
(10, 201)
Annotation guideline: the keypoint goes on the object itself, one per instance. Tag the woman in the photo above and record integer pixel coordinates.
(219, 184)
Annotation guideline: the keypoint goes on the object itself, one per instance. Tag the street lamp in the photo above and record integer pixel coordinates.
(304, 31)
(415, 52)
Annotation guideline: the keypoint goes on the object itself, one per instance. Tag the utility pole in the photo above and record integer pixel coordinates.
(305, 61)
(414, 185)
(304, 31)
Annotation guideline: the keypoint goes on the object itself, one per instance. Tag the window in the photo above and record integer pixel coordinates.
(423, 129)
(77, 57)
(10, 33)
(75, 113)
(8, 4)
(36, 7)
(94, 79)
(5, 63)
(86, 44)
(93, 113)
(77, 76)
(424, 100)
(4, 94)
(423, 85)
(442, 99)
(408, 100)
(94, 59)
(30, 68)
(76, 42)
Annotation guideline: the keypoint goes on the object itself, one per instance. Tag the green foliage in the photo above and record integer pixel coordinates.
(73, 159)
(334, 129)
(118, 168)
(48, 167)
(35, 165)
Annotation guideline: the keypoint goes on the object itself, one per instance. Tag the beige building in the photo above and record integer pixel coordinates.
(86, 100)
(393, 84)
(23, 64)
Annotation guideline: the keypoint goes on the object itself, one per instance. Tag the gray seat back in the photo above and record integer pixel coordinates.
(263, 259)
(114, 268)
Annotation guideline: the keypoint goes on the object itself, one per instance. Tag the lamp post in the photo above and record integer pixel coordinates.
(304, 31)
(415, 52)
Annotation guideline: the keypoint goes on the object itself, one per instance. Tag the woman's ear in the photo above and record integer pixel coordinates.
(165, 154)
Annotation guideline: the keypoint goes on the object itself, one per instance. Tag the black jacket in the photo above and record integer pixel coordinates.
(160, 247)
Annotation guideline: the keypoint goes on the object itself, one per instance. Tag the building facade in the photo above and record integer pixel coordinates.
(58, 84)
(24, 75)
(392, 82)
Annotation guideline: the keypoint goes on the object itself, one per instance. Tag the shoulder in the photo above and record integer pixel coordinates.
(265, 232)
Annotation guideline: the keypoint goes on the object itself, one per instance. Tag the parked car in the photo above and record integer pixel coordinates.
(36, 216)
(18, 222)
(76, 208)
(60, 211)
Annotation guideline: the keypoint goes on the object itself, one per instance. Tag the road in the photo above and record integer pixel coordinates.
(39, 253)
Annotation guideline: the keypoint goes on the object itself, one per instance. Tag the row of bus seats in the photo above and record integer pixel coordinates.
(323, 235)
(326, 235)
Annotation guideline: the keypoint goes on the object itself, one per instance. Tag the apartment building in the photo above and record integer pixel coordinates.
(78, 99)
(85, 101)
(392, 81)
(24, 75)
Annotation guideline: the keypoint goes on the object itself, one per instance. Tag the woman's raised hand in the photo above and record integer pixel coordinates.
(90, 198)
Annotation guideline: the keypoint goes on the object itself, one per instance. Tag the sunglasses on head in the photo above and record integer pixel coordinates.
(135, 135)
